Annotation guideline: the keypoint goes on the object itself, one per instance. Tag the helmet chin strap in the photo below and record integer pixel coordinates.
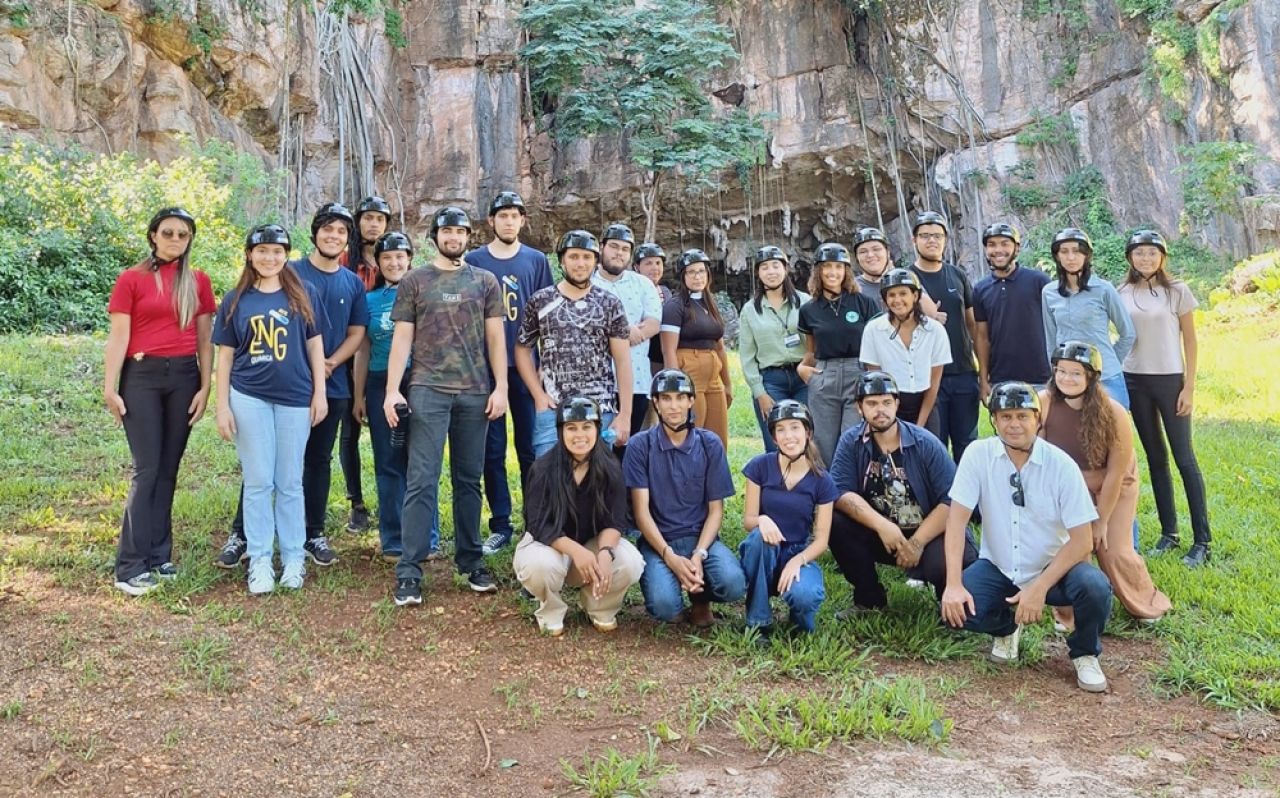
(688, 423)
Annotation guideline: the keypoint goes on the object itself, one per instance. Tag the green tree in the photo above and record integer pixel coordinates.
(612, 66)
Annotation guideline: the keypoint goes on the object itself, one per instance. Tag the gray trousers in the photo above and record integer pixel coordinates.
(831, 402)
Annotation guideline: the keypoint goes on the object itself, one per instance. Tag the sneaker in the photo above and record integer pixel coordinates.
(262, 576)
(605, 628)
(917, 584)
(497, 542)
(234, 552)
(1004, 650)
(557, 630)
(293, 575)
(140, 585)
(390, 556)
(481, 581)
(1165, 544)
(167, 572)
(1197, 555)
(408, 591)
(358, 521)
(318, 551)
(1089, 676)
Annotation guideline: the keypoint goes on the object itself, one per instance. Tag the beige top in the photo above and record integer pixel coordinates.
(1155, 312)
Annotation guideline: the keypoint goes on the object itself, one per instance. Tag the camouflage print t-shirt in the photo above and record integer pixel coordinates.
(448, 309)
(572, 337)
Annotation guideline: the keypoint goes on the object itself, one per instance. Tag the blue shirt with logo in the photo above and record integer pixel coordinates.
(270, 343)
(342, 297)
(519, 277)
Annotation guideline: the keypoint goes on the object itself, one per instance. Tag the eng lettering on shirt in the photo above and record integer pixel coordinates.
(269, 337)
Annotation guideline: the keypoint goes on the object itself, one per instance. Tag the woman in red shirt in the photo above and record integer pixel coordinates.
(159, 358)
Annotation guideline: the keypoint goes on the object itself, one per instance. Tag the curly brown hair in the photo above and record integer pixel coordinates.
(1097, 419)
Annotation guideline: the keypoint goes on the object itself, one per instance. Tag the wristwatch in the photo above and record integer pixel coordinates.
(701, 553)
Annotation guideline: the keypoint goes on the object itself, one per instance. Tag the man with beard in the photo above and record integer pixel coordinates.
(583, 340)
(449, 315)
(1009, 338)
(946, 284)
(521, 271)
(639, 298)
(893, 478)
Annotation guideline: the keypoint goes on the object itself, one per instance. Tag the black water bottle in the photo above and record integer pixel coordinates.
(401, 431)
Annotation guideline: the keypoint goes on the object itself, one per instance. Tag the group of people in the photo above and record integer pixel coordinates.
(618, 389)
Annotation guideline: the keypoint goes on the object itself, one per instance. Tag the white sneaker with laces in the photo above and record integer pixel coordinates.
(1004, 650)
(262, 576)
(293, 575)
(1089, 676)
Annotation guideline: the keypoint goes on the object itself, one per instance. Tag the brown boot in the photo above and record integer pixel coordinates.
(700, 615)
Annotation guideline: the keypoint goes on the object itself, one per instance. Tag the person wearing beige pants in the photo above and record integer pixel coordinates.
(545, 573)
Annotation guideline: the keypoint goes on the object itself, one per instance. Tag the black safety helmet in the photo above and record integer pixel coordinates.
(1002, 230)
(390, 242)
(789, 408)
(929, 217)
(578, 408)
(898, 277)
(373, 204)
(578, 239)
(690, 257)
(172, 212)
(648, 250)
(769, 253)
(875, 383)
(506, 199)
(618, 231)
(831, 252)
(1013, 396)
(267, 234)
(327, 213)
(868, 234)
(1085, 354)
(1146, 238)
(450, 216)
(1072, 234)
(670, 381)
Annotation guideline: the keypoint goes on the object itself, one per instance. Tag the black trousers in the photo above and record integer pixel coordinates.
(157, 392)
(349, 449)
(1153, 401)
(857, 549)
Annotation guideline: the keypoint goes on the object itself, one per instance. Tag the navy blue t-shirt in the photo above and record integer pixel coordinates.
(270, 343)
(792, 510)
(519, 277)
(1010, 307)
(950, 288)
(342, 297)
(681, 480)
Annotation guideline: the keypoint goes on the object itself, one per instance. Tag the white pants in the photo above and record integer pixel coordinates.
(544, 572)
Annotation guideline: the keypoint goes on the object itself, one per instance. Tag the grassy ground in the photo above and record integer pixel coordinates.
(64, 475)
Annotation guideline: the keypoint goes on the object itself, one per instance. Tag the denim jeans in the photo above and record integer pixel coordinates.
(1084, 588)
(317, 466)
(779, 383)
(762, 564)
(496, 490)
(1117, 389)
(271, 440)
(461, 419)
(663, 596)
(390, 468)
(545, 433)
(957, 409)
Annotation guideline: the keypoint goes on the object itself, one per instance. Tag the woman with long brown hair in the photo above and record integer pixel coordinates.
(692, 336)
(159, 359)
(1080, 418)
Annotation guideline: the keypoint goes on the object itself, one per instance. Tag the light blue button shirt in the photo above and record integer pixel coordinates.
(1089, 316)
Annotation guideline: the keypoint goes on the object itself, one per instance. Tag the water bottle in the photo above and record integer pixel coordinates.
(400, 433)
(609, 435)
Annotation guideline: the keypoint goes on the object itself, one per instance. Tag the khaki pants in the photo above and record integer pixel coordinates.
(709, 408)
(544, 572)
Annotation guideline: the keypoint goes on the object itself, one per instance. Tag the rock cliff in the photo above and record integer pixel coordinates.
(956, 105)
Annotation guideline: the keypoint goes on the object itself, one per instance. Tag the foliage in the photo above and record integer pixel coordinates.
(614, 774)
(204, 29)
(609, 66)
(1047, 130)
(16, 14)
(1214, 174)
(1176, 44)
(70, 221)
(1072, 12)
(392, 18)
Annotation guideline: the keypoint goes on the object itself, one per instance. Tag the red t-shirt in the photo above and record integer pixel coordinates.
(153, 324)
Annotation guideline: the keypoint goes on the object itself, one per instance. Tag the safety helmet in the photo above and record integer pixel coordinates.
(899, 277)
(392, 242)
(618, 232)
(267, 234)
(1013, 396)
(327, 213)
(372, 204)
(929, 217)
(1072, 234)
(690, 257)
(875, 383)
(832, 252)
(578, 239)
(1085, 354)
(1002, 230)
(1146, 238)
(866, 235)
(769, 253)
(506, 199)
(578, 408)
(670, 381)
(789, 408)
(171, 212)
(648, 250)
(450, 216)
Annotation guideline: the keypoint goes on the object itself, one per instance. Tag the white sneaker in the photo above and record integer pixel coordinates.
(293, 575)
(262, 576)
(1089, 676)
(1004, 650)
(917, 584)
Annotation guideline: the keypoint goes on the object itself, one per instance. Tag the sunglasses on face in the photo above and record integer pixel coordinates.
(1015, 482)
(181, 235)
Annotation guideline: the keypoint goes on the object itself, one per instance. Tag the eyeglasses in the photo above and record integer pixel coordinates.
(931, 236)
(1067, 375)
(181, 235)
(695, 272)
(1015, 482)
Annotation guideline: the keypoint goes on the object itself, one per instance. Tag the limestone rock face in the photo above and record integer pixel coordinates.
(942, 104)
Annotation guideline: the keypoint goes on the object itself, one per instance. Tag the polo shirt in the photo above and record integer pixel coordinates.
(1010, 307)
(147, 297)
(950, 288)
(911, 367)
(681, 480)
(1021, 541)
(792, 509)
(836, 327)
(342, 295)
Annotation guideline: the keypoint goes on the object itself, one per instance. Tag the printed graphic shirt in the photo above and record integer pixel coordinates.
(270, 343)
(519, 277)
(572, 339)
(448, 310)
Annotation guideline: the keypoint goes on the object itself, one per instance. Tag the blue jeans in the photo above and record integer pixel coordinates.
(1117, 388)
(1084, 588)
(461, 419)
(780, 383)
(762, 564)
(520, 408)
(723, 580)
(957, 409)
(271, 440)
(545, 434)
(390, 468)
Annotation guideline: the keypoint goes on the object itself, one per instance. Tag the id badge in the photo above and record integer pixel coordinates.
(791, 340)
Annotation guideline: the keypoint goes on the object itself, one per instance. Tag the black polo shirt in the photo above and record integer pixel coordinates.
(1011, 308)
(836, 325)
(950, 288)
